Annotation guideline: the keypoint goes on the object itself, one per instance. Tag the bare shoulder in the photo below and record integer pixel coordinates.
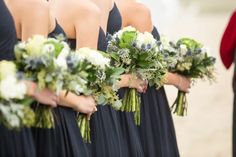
(139, 16)
(32, 9)
(139, 9)
(87, 14)
(83, 9)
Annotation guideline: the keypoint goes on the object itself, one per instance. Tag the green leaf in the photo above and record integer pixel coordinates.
(143, 56)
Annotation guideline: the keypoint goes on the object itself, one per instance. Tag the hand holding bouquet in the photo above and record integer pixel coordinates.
(43, 61)
(90, 73)
(188, 58)
(139, 54)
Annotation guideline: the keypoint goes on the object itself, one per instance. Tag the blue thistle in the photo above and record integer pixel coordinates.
(149, 46)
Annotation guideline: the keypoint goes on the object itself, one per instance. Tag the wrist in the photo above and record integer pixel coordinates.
(173, 79)
(125, 81)
(179, 82)
(31, 88)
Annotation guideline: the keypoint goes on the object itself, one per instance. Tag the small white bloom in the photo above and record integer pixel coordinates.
(183, 49)
(207, 50)
(145, 38)
(47, 48)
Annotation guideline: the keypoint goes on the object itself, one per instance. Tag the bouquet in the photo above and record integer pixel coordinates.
(139, 54)
(43, 60)
(90, 73)
(14, 112)
(189, 58)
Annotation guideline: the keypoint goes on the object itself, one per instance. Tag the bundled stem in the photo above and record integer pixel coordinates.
(84, 126)
(44, 117)
(179, 106)
(131, 103)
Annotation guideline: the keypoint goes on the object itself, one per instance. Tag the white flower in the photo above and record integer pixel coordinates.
(94, 57)
(145, 38)
(35, 44)
(79, 89)
(207, 50)
(47, 48)
(10, 88)
(22, 45)
(61, 59)
(183, 49)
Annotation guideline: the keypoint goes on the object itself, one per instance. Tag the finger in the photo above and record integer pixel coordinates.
(57, 99)
(95, 109)
(53, 103)
(140, 89)
(144, 88)
(54, 98)
(146, 83)
(89, 116)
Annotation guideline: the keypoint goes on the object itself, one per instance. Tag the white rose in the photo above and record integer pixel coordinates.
(9, 88)
(94, 57)
(61, 59)
(34, 45)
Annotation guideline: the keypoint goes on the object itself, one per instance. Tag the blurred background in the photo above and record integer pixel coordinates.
(206, 131)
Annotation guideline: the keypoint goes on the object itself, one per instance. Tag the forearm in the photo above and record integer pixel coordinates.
(31, 88)
(172, 79)
(68, 99)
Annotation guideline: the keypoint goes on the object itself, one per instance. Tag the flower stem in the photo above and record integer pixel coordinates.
(44, 117)
(84, 126)
(179, 107)
(131, 103)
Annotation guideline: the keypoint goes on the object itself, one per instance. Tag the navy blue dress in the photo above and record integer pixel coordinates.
(157, 129)
(12, 143)
(130, 139)
(64, 140)
(129, 135)
(105, 138)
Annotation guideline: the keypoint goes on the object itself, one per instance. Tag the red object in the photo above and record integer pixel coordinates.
(228, 42)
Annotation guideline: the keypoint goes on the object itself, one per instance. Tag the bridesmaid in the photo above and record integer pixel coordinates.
(130, 137)
(15, 24)
(157, 130)
(105, 127)
(46, 139)
(80, 21)
(104, 130)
